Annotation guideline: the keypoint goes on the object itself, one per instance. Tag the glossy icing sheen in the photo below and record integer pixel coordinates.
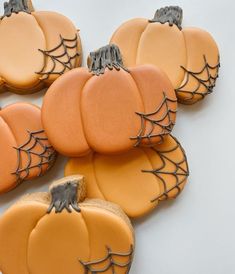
(190, 56)
(137, 180)
(26, 39)
(33, 240)
(110, 112)
(25, 150)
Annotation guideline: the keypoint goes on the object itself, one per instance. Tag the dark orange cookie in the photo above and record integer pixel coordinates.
(136, 180)
(25, 150)
(60, 233)
(36, 47)
(109, 108)
(189, 56)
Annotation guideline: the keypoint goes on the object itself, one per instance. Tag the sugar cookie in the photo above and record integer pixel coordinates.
(109, 108)
(36, 47)
(136, 180)
(189, 56)
(59, 232)
(25, 150)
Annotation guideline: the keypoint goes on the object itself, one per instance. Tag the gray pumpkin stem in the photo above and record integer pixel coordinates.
(64, 197)
(172, 15)
(16, 6)
(106, 57)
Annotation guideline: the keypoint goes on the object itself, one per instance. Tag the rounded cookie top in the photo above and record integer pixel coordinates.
(59, 232)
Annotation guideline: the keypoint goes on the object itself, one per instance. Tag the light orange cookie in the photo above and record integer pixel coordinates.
(137, 180)
(36, 47)
(25, 150)
(59, 232)
(189, 56)
(109, 108)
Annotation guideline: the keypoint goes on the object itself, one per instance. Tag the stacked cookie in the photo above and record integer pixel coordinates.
(37, 47)
(113, 120)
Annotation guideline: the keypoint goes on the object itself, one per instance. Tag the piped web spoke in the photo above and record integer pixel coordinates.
(109, 263)
(64, 60)
(34, 154)
(179, 171)
(164, 123)
(205, 81)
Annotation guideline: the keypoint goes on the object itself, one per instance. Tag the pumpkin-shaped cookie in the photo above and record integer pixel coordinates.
(36, 47)
(109, 108)
(59, 233)
(25, 150)
(136, 180)
(189, 56)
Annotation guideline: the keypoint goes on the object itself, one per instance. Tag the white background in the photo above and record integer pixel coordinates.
(195, 233)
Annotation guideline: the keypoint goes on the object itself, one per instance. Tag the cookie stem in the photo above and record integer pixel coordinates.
(66, 194)
(172, 14)
(16, 6)
(106, 57)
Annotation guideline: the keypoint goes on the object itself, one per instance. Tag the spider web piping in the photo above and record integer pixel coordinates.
(46, 156)
(208, 83)
(51, 55)
(166, 128)
(112, 264)
(180, 174)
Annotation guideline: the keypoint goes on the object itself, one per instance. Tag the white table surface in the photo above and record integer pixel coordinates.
(195, 233)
